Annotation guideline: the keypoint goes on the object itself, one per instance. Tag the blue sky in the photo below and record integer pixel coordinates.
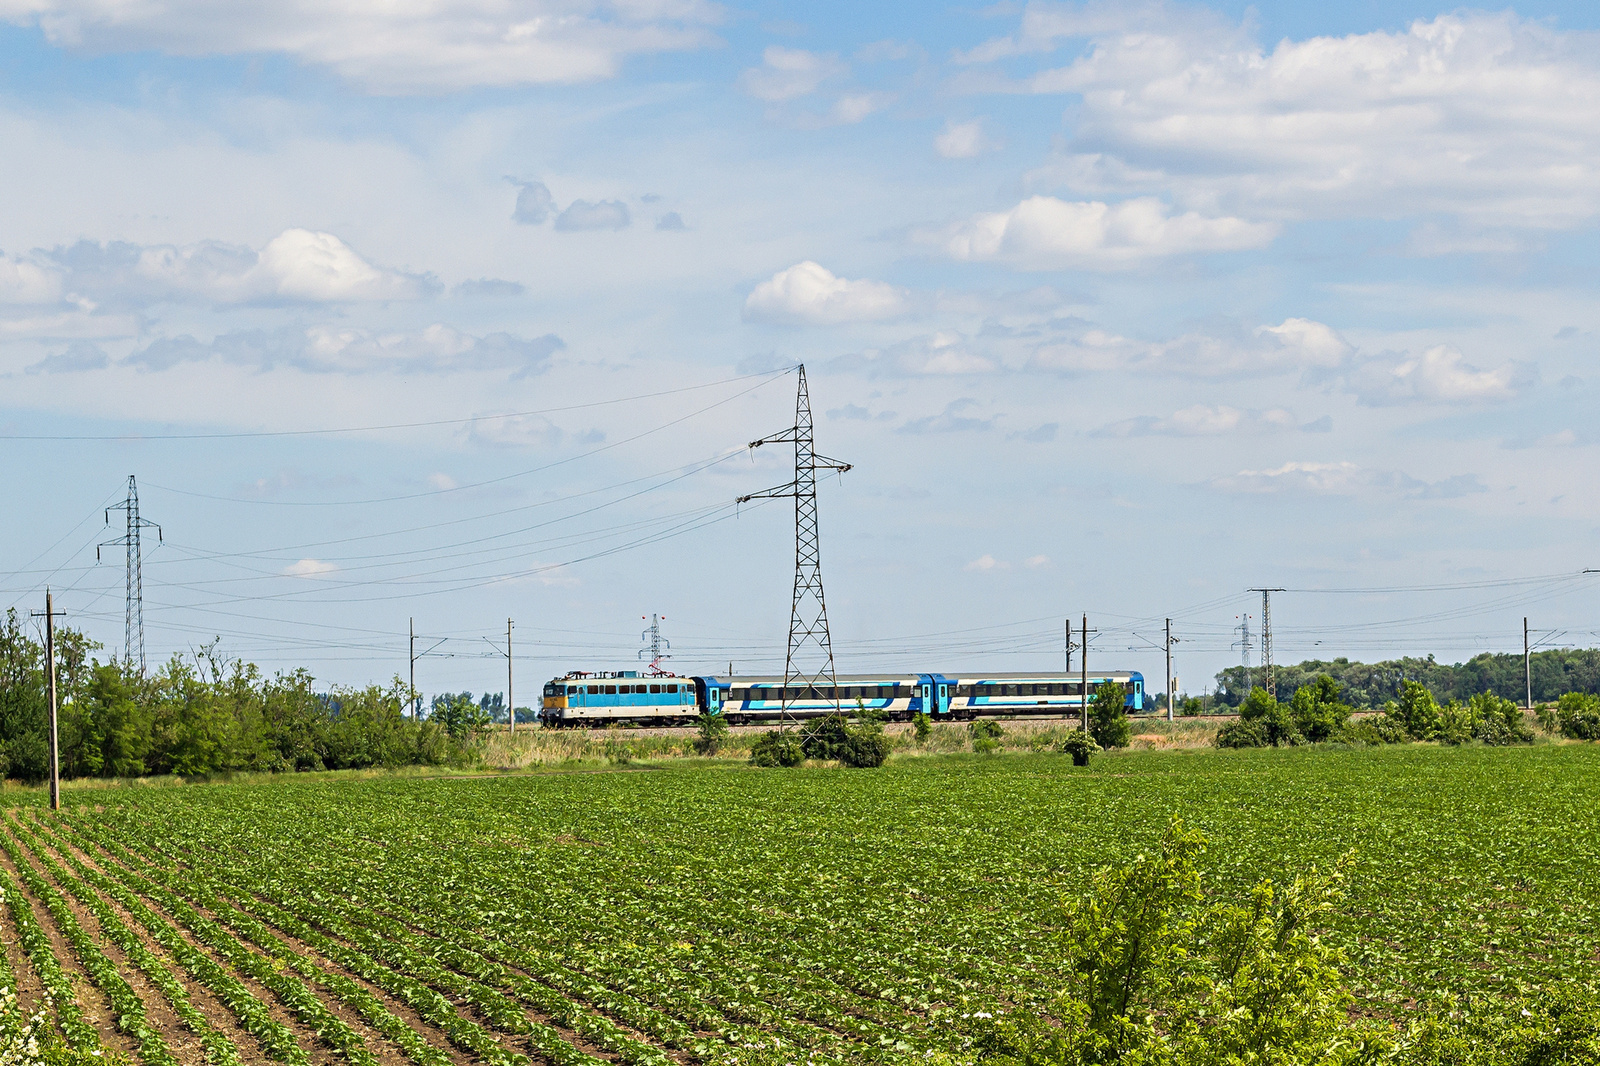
(1117, 308)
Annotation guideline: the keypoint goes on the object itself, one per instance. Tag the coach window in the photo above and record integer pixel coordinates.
(672, 688)
(655, 688)
(611, 690)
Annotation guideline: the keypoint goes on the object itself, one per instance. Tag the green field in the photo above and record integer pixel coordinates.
(714, 914)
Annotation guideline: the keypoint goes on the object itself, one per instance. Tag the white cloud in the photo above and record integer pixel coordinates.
(1345, 479)
(429, 46)
(853, 107)
(950, 420)
(1478, 116)
(534, 203)
(789, 73)
(1044, 233)
(23, 281)
(1313, 351)
(301, 265)
(962, 140)
(297, 266)
(940, 353)
(309, 568)
(79, 356)
(328, 349)
(1296, 345)
(583, 215)
(985, 563)
(529, 431)
(1439, 375)
(1037, 562)
(1207, 420)
(810, 294)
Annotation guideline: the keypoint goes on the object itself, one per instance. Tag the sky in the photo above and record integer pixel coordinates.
(441, 314)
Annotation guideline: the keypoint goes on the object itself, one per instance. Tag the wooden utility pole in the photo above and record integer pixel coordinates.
(50, 685)
(413, 707)
(511, 702)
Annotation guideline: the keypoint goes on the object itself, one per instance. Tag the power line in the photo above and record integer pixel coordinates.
(475, 484)
(247, 434)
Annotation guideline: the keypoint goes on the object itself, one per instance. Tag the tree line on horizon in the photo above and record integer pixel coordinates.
(1370, 686)
(207, 714)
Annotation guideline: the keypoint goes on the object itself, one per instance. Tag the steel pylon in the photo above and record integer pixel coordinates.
(133, 632)
(656, 646)
(808, 666)
(1266, 639)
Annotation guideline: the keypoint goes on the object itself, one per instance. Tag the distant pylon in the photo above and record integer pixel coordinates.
(656, 644)
(808, 666)
(1243, 643)
(133, 633)
(1266, 639)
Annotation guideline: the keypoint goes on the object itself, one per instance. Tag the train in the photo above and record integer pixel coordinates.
(606, 697)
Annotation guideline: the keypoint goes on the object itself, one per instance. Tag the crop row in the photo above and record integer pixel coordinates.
(819, 916)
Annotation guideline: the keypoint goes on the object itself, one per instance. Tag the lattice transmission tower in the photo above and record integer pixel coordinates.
(1266, 639)
(808, 666)
(1244, 646)
(655, 644)
(133, 637)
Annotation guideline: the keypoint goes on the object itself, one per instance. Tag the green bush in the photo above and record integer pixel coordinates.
(1374, 729)
(1416, 710)
(776, 748)
(1108, 716)
(618, 751)
(832, 737)
(1155, 971)
(711, 732)
(1275, 720)
(921, 726)
(1242, 733)
(986, 734)
(1078, 745)
(827, 737)
(868, 748)
(1317, 711)
(1191, 706)
(1578, 714)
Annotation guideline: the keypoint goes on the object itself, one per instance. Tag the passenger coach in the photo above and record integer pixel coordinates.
(627, 696)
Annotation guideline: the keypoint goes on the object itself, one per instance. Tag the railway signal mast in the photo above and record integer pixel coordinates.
(808, 664)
